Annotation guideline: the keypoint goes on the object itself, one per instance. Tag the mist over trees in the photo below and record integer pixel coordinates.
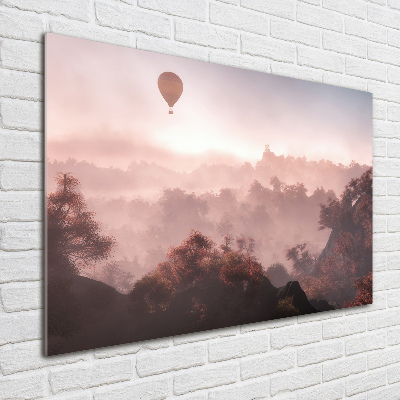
(203, 283)
(148, 208)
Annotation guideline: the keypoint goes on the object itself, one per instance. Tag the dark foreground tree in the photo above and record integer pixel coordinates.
(73, 241)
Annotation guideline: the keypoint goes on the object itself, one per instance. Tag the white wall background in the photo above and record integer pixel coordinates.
(343, 354)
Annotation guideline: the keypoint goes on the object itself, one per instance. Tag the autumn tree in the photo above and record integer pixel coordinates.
(73, 234)
(73, 241)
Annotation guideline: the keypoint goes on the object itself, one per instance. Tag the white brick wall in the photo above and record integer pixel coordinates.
(353, 353)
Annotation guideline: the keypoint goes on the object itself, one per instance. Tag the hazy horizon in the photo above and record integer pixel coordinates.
(103, 106)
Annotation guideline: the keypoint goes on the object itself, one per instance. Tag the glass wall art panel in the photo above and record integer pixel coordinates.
(184, 196)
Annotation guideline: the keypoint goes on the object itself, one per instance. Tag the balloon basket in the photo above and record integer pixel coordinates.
(171, 110)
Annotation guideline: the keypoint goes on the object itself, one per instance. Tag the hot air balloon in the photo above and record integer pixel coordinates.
(171, 88)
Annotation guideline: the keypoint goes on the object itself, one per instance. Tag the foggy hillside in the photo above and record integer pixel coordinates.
(148, 208)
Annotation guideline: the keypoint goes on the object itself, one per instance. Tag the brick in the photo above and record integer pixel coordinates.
(386, 280)
(22, 114)
(19, 327)
(295, 71)
(207, 335)
(386, 242)
(76, 9)
(365, 30)
(171, 47)
(293, 32)
(132, 20)
(379, 262)
(386, 129)
(330, 391)
(262, 326)
(158, 362)
(386, 205)
(383, 54)
(284, 8)
(246, 391)
(343, 367)
(386, 393)
(90, 32)
(394, 4)
(365, 382)
(394, 75)
(81, 396)
(296, 335)
(25, 386)
(393, 337)
(383, 91)
(16, 25)
(154, 389)
(383, 319)
(314, 2)
(365, 69)
(22, 56)
(239, 61)
(87, 376)
(343, 327)
(353, 8)
(20, 236)
(205, 35)
(16, 175)
(294, 380)
(379, 148)
(267, 364)
(379, 110)
(319, 17)
(236, 347)
(23, 146)
(384, 16)
(379, 188)
(393, 113)
(205, 377)
(393, 38)
(365, 342)
(24, 206)
(320, 59)
(115, 351)
(344, 81)
(393, 188)
(193, 9)
(383, 358)
(393, 374)
(393, 298)
(344, 44)
(28, 356)
(318, 353)
(269, 48)
(21, 297)
(18, 267)
(238, 18)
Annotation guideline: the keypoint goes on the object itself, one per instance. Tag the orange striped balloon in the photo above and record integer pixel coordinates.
(170, 87)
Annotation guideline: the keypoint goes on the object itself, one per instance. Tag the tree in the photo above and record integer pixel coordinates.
(364, 292)
(73, 241)
(303, 260)
(73, 234)
(278, 274)
(187, 263)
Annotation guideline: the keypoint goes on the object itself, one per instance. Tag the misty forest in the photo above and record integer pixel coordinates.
(149, 252)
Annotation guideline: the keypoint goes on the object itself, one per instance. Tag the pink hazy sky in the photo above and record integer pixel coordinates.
(103, 106)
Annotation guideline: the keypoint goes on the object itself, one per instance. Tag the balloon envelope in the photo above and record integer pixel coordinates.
(171, 87)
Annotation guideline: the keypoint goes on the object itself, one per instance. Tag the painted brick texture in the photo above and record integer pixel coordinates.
(348, 354)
